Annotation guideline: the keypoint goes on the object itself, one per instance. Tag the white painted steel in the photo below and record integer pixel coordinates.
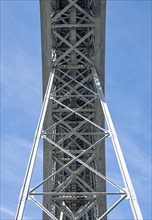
(74, 183)
(120, 158)
(43, 208)
(129, 190)
(30, 166)
(112, 207)
(66, 165)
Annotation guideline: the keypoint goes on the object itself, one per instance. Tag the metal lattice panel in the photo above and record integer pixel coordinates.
(73, 108)
(75, 134)
(72, 121)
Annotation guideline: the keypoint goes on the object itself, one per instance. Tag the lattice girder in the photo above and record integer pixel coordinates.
(72, 121)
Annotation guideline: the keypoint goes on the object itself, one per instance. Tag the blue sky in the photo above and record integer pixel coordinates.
(128, 89)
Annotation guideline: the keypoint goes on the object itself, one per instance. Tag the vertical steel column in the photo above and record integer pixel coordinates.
(70, 20)
(46, 41)
(72, 118)
(28, 175)
(120, 158)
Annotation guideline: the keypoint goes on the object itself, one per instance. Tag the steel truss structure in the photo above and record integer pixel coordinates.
(71, 124)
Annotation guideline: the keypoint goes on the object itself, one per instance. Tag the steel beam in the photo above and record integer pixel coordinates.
(80, 27)
(72, 118)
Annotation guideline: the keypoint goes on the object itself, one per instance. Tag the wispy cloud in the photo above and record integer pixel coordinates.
(15, 155)
(7, 211)
(13, 164)
(10, 214)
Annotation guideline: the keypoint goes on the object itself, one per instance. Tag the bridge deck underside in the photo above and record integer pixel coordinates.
(73, 122)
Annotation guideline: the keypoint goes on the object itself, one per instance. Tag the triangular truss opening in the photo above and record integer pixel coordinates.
(75, 122)
(75, 173)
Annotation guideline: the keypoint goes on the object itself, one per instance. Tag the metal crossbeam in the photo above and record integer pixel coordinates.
(120, 158)
(71, 122)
